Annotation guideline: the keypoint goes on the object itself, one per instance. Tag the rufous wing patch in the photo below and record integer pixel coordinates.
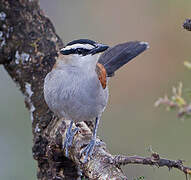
(102, 75)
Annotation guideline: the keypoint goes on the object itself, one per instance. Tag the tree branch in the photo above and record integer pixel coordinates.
(187, 24)
(153, 160)
(29, 46)
(28, 50)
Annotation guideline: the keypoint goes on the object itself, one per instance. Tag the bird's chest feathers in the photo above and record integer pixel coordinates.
(87, 83)
(81, 84)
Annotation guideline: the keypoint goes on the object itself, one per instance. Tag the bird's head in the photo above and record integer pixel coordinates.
(82, 51)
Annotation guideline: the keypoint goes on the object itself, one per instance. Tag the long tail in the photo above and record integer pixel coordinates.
(117, 56)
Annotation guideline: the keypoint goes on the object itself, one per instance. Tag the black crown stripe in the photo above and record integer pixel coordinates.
(82, 41)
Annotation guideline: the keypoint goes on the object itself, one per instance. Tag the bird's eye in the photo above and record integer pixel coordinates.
(82, 51)
(79, 51)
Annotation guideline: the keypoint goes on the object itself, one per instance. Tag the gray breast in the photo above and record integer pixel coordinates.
(75, 95)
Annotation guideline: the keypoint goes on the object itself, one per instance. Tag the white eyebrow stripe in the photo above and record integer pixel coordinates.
(75, 46)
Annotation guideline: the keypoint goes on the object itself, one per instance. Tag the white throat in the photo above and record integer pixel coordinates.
(75, 60)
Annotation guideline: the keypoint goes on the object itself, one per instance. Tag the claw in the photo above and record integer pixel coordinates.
(69, 138)
(89, 149)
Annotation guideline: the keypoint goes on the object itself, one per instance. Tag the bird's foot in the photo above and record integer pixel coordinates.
(88, 150)
(69, 138)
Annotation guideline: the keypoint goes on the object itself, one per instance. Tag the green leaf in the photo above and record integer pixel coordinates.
(187, 64)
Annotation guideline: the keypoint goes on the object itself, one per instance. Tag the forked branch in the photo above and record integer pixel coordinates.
(28, 50)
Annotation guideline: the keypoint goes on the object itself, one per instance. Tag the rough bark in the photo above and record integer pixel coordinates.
(28, 50)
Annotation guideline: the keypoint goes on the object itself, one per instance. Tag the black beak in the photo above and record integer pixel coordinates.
(98, 48)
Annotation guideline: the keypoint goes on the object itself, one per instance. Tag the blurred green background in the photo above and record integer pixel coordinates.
(130, 123)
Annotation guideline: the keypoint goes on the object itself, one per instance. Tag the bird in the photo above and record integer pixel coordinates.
(77, 86)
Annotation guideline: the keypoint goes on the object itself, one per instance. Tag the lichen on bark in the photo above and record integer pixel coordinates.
(29, 46)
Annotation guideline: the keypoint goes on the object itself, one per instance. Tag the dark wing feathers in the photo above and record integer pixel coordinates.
(115, 57)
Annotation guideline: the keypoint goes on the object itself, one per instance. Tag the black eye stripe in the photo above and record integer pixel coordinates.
(67, 52)
(80, 51)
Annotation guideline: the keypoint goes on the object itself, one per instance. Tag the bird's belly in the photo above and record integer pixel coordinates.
(81, 100)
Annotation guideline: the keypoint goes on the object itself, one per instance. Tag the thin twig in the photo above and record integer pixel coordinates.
(154, 159)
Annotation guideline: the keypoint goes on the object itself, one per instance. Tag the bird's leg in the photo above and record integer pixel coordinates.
(89, 148)
(69, 138)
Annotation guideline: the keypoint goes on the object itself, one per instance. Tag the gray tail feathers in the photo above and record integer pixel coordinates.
(115, 57)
